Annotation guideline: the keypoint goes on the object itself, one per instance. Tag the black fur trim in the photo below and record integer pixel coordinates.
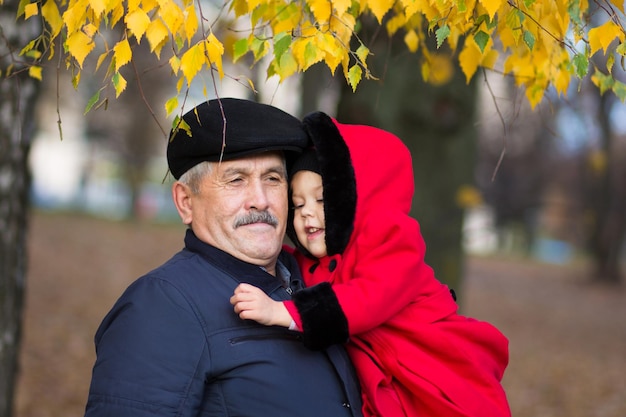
(338, 180)
(323, 321)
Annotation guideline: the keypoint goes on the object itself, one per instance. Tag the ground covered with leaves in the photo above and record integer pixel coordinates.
(567, 337)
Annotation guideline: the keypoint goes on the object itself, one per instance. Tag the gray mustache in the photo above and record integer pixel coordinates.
(256, 217)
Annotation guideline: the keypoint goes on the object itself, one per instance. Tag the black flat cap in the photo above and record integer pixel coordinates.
(250, 128)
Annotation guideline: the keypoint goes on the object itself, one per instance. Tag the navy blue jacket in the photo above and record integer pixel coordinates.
(173, 346)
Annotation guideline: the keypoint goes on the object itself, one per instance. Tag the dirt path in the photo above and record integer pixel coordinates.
(567, 338)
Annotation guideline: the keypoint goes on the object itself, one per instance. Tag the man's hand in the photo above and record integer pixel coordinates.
(251, 303)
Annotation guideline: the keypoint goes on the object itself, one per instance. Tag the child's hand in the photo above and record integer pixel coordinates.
(252, 303)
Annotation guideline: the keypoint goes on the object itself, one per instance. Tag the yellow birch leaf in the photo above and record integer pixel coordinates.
(116, 14)
(534, 94)
(51, 13)
(215, 51)
(191, 22)
(98, 6)
(174, 64)
(171, 105)
(30, 10)
(74, 16)
(171, 14)
(240, 7)
(441, 69)
(469, 59)
(122, 54)
(379, 8)
(491, 6)
(489, 59)
(90, 30)
(137, 23)
(341, 6)
(602, 36)
(156, 33)
(468, 196)
(192, 61)
(561, 81)
(395, 23)
(133, 5)
(354, 76)
(321, 10)
(119, 83)
(411, 40)
(619, 4)
(286, 67)
(35, 72)
(101, 59)
(79, 46)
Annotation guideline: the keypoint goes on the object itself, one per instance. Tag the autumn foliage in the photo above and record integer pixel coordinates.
(541, 43)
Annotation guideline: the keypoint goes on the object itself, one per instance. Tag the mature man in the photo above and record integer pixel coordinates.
(172, 344)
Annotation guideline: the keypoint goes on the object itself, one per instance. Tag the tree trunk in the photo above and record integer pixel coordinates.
(17, 127)
(437, 125)
(609, 205)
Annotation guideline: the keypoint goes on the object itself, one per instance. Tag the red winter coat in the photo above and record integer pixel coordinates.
(415, 355)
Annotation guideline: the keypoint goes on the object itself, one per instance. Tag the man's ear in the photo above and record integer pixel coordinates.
(181, 194)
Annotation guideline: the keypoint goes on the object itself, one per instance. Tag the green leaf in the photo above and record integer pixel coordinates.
(354, 76)
(529, 39)
(240, 48)
(441, 34)
(619, 88)
(481, 38)
(282, 42)
(461, 6)
(92, 101)
(581, 63)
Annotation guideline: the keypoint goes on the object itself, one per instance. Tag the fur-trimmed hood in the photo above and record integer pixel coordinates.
(364, 170)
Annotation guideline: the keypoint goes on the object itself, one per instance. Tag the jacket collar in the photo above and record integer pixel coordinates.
(242, 271)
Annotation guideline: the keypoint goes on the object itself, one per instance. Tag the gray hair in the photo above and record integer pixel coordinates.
(194, 176)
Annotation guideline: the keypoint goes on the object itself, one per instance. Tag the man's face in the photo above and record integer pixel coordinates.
(242, 208)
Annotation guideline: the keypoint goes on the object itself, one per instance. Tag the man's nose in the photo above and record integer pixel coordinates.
(257, 196)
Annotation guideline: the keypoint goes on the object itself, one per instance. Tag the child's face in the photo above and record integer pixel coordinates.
(308, 220)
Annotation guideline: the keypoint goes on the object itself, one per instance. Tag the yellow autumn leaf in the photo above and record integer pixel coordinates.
(35, 72)
(98, 6)
(192, 61)
(287, 66)
(122, 54)
(156, 33)
(469, 60)
(468, 196)
(602, 36)
(119, 83)
(31, 10)
(171, 14)
(441, 69)
(341, 6)
(74, 17)
(491, 6)
(137, 23)
(101, 59)
(51, 14)
(215, 51)
(79, 46)
(116, 14)
(619, 4)
(379, 8)
(191, 22)
(171, 105)
(321, 9)
(411, 40)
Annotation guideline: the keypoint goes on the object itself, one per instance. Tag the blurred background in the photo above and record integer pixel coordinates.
(523, 213)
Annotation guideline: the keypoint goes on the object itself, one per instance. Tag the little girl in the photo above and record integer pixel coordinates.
(362, 259)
